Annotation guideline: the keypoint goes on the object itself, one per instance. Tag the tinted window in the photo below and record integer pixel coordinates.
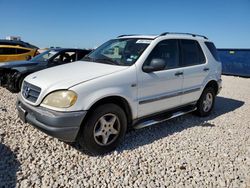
(213, 50)
(81, 54)
(7, 51)
(166, 50)
(12, 44)
(21, 51)
(191, 53)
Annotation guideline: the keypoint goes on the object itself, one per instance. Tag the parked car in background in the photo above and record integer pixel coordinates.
(131, 81)
(17, 43)
(16, 53)
(13, 73)
(15, 50)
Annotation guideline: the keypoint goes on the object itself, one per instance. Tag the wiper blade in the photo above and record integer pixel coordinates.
(101, 60)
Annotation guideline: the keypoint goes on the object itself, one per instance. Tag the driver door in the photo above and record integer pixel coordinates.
(161, 90)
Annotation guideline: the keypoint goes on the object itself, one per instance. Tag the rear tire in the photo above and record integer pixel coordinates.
(206, 102)
(103, 130)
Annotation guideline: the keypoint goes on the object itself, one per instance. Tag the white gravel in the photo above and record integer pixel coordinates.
(184, 152)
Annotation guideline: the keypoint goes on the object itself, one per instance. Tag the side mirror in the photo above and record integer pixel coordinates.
(155, 65)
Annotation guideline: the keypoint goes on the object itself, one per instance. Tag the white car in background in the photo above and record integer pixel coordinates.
(131, 81)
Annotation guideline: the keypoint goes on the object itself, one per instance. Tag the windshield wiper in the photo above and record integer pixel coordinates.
(101, 60)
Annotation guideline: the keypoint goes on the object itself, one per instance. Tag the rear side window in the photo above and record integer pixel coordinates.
(213, 50)
(21, 51)
(191, 53)
(7, 51)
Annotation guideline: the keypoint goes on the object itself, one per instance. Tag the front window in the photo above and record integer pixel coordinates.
(122, 52)
(166, 50)
(45, 56)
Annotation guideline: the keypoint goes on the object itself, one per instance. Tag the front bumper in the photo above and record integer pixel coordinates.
(62, 125)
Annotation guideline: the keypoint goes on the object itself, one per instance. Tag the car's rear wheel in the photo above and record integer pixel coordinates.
(206, 102)
(103, 130)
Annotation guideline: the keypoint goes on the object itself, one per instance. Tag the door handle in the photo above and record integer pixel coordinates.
(206, 69)
(178, 73)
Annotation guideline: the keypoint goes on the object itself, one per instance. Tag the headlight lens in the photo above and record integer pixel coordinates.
(60, 99)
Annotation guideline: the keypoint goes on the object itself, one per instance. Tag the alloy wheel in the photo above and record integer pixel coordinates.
(208, 102)
(107, 129)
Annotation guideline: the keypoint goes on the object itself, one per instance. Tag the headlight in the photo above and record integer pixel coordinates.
(60, 99)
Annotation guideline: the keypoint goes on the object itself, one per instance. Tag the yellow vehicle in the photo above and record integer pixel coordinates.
(16, 53)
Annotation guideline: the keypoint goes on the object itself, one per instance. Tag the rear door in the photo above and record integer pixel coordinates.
(195, 70)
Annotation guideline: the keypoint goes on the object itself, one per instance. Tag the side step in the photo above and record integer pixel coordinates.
(164, 117)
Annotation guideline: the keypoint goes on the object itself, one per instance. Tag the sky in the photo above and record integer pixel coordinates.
(87, 24)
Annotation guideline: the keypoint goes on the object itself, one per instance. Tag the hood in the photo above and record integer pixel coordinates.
(69, 75)
(14, 64)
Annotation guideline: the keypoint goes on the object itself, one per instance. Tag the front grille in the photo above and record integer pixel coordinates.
(30, 92)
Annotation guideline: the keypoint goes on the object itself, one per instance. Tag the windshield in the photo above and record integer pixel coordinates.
(123, 52)
(45, 56)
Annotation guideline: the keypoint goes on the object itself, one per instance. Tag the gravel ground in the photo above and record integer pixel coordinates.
(184, 152)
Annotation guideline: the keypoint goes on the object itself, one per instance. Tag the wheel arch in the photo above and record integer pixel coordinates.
(11, 79)
(118, 100)
(18, 77)
(213, 84)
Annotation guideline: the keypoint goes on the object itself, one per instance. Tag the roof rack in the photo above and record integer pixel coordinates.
(194, 35)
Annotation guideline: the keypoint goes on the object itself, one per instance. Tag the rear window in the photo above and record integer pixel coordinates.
(191, 53)
(213, 50)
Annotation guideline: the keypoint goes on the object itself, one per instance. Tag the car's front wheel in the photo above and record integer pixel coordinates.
(103, 130)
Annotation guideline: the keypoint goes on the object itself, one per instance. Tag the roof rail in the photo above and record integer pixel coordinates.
(194, 35)
(126, 35)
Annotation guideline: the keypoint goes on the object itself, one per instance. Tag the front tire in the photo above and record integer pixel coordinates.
(14, 85)
(206, 102)
(19, 83)
(103, 130)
